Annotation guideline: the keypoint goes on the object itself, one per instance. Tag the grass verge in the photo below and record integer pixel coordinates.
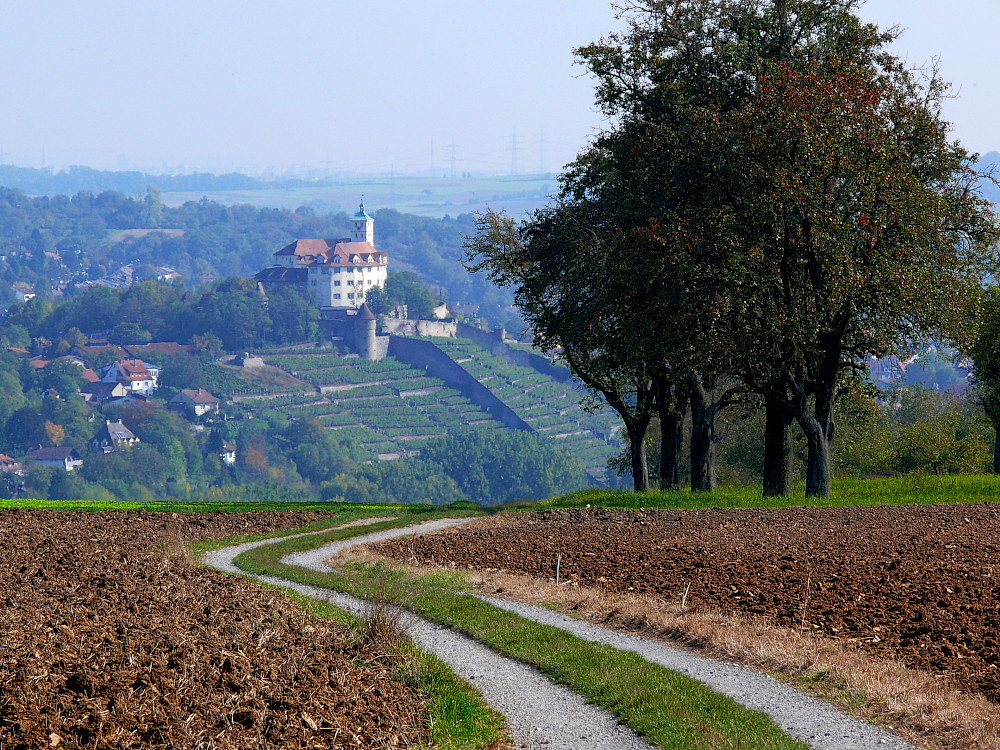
(667, 708)
(911, 489)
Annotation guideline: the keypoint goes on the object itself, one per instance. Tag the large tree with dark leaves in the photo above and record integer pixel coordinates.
(792, 190)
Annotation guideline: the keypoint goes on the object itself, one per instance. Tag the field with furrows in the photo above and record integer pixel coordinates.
(113, 638)
(914, 583)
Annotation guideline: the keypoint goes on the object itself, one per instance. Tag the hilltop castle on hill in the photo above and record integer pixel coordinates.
(335, 273)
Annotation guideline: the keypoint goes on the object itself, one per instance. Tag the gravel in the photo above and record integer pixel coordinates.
(541, 714)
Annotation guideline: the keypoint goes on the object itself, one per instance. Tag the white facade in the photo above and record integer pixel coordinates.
(334, 273)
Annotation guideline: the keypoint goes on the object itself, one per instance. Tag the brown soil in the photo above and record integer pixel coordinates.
(113, 638)
(918, 583)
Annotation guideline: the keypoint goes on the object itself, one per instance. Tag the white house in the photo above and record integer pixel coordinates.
(138, 376)
(113, 436)
(59, 457)
(334, 273)
(194, 401)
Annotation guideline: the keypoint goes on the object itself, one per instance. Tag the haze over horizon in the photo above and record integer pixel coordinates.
(384, 87)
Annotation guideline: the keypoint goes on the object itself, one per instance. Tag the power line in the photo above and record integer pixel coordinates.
(454, 150)
(514, 138)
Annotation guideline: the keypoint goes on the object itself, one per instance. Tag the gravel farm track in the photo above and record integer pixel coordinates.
(112, 637)
(917, 583)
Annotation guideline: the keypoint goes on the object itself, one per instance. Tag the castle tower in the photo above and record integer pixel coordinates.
(364, 333)
(364, 226)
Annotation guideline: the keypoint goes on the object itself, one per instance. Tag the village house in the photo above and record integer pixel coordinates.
(23, 291)
(195, 402)
(113, 436)
(10, 465)
(336, 274)
(138, 376)
(227, 454)
(99, 392)
(58, 457)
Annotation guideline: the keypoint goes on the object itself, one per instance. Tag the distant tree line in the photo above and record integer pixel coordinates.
(45, 241)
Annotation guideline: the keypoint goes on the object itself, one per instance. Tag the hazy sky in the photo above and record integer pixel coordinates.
(374, 86)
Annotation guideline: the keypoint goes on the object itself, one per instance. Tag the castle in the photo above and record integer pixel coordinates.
(335, 273)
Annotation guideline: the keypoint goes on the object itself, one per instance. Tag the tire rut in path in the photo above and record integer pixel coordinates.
(539, 713)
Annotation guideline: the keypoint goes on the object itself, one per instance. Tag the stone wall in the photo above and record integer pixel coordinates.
(426, 356)
(407, 327)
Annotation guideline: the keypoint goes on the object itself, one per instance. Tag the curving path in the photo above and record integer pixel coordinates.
(539, 713)
(542, 714)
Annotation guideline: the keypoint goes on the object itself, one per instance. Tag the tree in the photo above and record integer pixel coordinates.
(559, 263)
(792, 187)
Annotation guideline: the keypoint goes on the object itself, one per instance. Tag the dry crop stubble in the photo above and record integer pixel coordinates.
(927, 708)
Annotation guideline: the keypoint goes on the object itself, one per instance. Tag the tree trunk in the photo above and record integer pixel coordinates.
(671, 406)
(671, 441)
(702, 440)
(996, 448)
(818, 472)
(636, 429)
(777, 449)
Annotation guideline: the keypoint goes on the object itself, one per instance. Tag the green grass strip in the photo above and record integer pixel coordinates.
(169, 506)
(669, 709)
(458, 717)
(911, 489)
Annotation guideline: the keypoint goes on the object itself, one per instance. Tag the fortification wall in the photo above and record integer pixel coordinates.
(407, 327)
(426, 356)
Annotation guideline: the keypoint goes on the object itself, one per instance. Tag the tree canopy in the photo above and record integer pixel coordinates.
(775, 198)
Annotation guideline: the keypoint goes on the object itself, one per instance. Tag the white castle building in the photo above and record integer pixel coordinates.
(334, 273)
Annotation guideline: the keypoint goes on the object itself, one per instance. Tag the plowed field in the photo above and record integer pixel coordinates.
(107, 641)
(921, 583)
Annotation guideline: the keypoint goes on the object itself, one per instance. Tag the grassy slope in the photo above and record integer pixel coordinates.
(669, 709)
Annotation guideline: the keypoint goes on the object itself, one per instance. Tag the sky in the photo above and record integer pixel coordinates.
(381, 86)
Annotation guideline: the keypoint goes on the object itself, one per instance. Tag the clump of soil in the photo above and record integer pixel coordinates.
(113, 638)
(918, 583)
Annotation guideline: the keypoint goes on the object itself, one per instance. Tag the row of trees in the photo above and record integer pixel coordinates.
(776, 197)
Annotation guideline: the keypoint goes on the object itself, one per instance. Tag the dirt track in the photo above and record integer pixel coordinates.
(921, 583)
(107, 642)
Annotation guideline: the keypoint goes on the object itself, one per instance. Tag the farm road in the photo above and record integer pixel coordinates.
(541, 714)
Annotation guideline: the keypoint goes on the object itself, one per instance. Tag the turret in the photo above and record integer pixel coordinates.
(364, 226)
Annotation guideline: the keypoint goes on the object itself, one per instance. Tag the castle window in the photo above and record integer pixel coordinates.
(337, 282)
(350, 296)
(336, 296)
(350, 283)
(325, 271)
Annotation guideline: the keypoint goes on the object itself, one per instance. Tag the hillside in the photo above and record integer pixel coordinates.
(391, 408)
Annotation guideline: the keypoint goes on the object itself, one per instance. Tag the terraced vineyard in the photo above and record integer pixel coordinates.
(551, 407)
(388, 407)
